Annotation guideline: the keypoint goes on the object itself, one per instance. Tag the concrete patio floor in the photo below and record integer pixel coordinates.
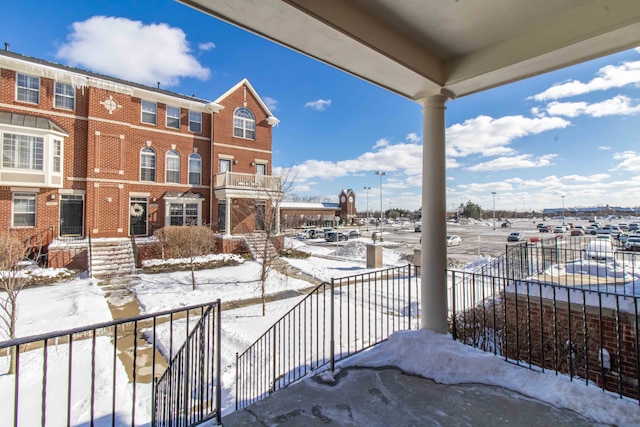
(391, 397)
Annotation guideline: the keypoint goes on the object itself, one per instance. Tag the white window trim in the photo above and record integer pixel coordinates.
(177, 200)
(35, 213)
(155, 168)
(142, 111)
(189, 169)
(244, 127)
(166, 122)
(39, 86)
(194, 121)
(166, 168)
(55, 96)
(224, 159)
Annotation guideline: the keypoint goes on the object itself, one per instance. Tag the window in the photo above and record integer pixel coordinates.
(65, 96)
(24, 210)
(183, 214)
(149, 110)
(147, 164)
(173, 117)
(57, 154)
(173, 167)
(195, 169)
(22, 151)
(261, 169)
(195, 121)
(225, 166)
(28, 88)
(244, 124)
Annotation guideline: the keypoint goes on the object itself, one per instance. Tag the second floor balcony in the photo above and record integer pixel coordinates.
(246, 185)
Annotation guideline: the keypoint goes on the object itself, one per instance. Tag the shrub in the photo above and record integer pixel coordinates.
(294, 253)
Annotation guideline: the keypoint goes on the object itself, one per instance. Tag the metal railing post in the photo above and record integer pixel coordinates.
(332, 316)
(218, 363)
(409, 295)
(90, 254)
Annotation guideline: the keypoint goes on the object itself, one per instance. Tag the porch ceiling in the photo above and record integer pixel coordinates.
(418, 48)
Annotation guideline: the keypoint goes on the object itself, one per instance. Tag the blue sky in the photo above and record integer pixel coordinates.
(571, 133)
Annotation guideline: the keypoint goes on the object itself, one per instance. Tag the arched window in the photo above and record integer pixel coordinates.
(147, 164)
(173, 167)
(244, 124)
(195, 169)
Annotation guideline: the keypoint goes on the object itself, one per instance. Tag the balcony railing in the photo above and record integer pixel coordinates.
(247, 181)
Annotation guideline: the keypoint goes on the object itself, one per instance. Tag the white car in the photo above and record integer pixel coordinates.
(453, 240)
(633, 243)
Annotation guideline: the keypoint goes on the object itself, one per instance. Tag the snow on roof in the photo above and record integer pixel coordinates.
(309, 205)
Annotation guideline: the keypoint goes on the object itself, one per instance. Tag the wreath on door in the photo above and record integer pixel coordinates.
(136, 210)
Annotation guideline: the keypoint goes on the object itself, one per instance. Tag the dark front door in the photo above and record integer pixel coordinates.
(138, 217)
(71, 215)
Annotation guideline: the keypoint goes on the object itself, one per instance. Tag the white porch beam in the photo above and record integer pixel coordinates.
(434, 228)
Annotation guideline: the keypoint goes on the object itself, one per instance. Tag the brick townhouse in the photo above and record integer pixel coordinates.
(87, 153)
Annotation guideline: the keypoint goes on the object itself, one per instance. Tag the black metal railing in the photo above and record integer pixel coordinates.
(189, 391)
(585, 333)
(105, 373)
(334, 321)
(566, 261)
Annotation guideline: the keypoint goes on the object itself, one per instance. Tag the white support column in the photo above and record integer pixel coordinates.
(434, 228)
(227, 216)
(277, 208)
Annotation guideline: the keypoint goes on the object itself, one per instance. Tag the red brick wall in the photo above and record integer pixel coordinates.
(589, 331)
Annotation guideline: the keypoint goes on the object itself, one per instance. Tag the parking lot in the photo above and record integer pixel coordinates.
(478, 238)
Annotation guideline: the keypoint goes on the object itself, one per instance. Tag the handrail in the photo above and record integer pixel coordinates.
(327, 325)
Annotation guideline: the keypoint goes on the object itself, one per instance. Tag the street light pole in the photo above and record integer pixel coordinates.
(381, 173)
(367, 190)
(494, 209)
(562, 209)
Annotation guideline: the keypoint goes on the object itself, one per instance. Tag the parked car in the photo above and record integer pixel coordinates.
(544, 229)
(634, 226)
(633, 243)
(623, 226)
(304, 234)
(418, 228)
(559, 229)
(506, 223)
(591, 230)
(577, 231)
(354, 234)
(336, 236)
(599, 250)
(453, 240)
(609, 229)
(515, 237)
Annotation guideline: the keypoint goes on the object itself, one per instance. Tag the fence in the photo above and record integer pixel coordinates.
(332, 322)
(105, 373)
(585, 333)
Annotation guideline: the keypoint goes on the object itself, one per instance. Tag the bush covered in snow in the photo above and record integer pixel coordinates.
(201, 263)
(294, 253)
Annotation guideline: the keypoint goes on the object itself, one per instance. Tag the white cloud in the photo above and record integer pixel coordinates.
(206, 46)
(629, 161)
(604, 147)
(154, 52)
(608, 77)
(319, 105)
(619, 105)
(271, 103)
(514, 162)
(491, 137)
(413, 137)
(381, 143)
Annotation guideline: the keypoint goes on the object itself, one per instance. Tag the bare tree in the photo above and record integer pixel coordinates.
(13, 250)
(188, 242)
(265, 207)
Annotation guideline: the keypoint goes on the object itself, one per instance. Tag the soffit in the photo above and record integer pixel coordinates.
(418, 48)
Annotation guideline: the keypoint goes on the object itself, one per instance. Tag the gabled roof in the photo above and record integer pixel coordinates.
(271, 119)
(30, 121)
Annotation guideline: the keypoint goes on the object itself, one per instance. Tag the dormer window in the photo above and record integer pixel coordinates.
(244, 124)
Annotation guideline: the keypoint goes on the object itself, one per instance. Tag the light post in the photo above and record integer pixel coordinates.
(494, 209)
(381, 173)
(562, 209)
(367, 190)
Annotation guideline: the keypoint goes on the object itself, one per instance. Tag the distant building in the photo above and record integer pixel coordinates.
(320, 214)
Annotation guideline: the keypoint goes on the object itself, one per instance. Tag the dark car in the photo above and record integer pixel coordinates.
(335, 236)
(515, 237)
(354, 234)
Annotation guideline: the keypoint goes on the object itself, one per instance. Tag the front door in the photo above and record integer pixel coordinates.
(71, 214)
(138, 216)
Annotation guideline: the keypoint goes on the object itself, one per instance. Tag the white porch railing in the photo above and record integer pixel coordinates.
(247, 181)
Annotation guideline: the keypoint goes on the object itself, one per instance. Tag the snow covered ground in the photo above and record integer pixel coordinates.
(81, 301)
